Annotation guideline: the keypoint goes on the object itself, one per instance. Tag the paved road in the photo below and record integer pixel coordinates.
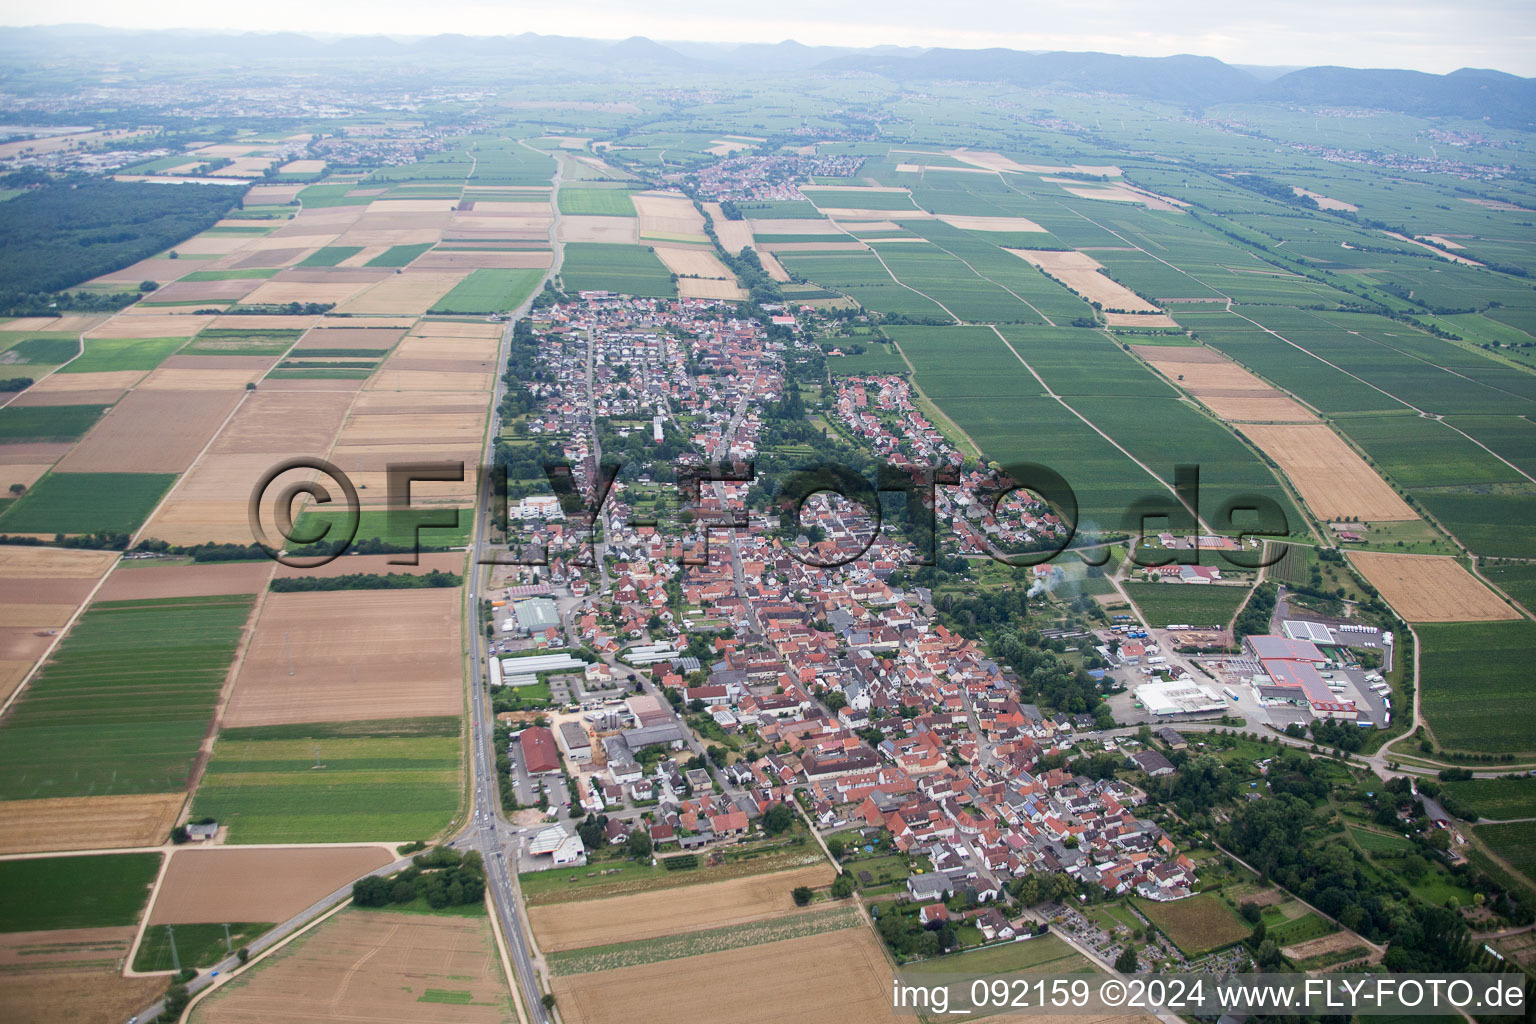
(485, 829)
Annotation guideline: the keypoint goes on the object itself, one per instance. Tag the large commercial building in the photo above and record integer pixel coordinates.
(539, 754)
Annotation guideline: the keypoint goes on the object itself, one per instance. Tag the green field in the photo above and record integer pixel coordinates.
(197, 945)
(490, 291)
(562, 885)
(47, 422)
(600, 202)
(46, 893)
(394, 526)
(134, 683)
(1192, 604)
(1475, 690)
(271, 786)
(105, 354)
(329, 255)
(1379, 842)
(1515, 842)
(1196, 925)
(86, 503)
(230, 275)
(1496, 798)
(628, 269)
(399, 255)
(1516, 579)
(1044, 954)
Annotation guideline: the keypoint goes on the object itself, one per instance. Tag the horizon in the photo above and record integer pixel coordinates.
(1494, 35)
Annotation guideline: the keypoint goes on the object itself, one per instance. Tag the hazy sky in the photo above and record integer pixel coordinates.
(1430, 35)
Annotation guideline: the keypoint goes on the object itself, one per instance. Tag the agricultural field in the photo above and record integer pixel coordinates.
(86, 503)
(490, 291)
(75, 892)
(1430, 588)
(135, 682)
(1473, 685)
(632, 269)
(838, 975)
(1196, 925)
(197, 945)
(1196, 605)
(1515, 843)
(374, 965)
(256, 884)
(718, 905)
(331, 783)
(1498, 799)
(321, 657)
(72, 974)
(601, 202)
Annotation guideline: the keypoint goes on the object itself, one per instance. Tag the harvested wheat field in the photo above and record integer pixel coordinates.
(88, 822)
(795, 226)
(1126, 194)
(218, 292)
(990, 223)
(420, 428)
(1430, 588)
(349, 337)
(183, 381)
(152, 432)
(835, 976)
(389, 379)
(1230, 391)
(1080, 272)
(666, 214)
(734, 235)
(411, 293)
(599, 229)
(275, 292)
(49, 993)
(136, 323)
(1140, 320)
(256, 885)
(374, 966)
(774, 267)
(457, 329)
(710, 288)
(20, 648)
(416, 347)
(24, 473)
(686, 908)
(211, 501)
(847, 245)
(66, 947)
(72, 384)
(141, 580)
(54, 562)
(349, 655)
(283, 424)
(1333, 480)
(505, 259)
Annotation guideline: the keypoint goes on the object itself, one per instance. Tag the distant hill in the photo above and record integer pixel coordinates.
(1190, 81)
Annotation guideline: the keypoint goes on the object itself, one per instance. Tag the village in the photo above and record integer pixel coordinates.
(699, 677)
